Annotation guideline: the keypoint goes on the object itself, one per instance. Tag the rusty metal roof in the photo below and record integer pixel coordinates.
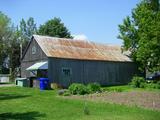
(79, 49)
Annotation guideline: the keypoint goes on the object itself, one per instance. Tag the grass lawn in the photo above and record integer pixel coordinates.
(33, 104)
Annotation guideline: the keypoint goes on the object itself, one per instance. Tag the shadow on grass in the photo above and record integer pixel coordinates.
(4, 83)
(11, 96)
(21, 116)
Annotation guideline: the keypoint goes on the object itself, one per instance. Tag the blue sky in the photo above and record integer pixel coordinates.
(96, 19)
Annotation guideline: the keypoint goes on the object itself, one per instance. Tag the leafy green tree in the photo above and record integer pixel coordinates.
(5, 34)
(27, 29)
(141, 35)
(55, 28)
(14, 50)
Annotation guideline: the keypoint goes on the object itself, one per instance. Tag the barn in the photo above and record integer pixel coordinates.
(65, 61)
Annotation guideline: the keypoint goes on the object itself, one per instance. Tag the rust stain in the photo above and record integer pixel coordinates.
(78, 49)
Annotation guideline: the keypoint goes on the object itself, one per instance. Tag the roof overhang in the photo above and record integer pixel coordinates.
(38, 66)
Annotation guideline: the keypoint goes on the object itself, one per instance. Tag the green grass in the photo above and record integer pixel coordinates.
(120, 88)
(33, 104)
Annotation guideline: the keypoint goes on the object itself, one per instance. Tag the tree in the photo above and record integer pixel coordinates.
(27, 29)
(141, 35)
(55, 28)
(5, 34)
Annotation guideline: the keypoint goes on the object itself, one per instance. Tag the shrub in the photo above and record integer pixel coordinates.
(142, 85)
(94, 87)
(138, 82)
(158, 85)
(77, 88)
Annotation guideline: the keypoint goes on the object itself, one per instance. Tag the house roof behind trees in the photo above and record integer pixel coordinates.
(79, 49)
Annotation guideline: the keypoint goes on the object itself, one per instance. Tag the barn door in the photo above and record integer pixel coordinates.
(66, 76)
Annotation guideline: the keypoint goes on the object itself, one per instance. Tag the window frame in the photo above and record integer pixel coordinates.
(66, 69)
(34, 50)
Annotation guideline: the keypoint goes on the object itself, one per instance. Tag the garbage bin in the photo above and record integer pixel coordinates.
(23, 82)
(44, 83)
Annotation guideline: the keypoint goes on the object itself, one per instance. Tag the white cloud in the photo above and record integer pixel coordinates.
(80, 37)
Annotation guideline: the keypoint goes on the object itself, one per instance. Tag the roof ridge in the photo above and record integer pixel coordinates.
(85, 41)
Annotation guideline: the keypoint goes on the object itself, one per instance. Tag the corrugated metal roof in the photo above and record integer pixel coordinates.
(79, 49)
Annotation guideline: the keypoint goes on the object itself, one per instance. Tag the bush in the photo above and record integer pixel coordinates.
(158, 85)
(142, 85)
(77, 88)
(138, 82)
(94, 87)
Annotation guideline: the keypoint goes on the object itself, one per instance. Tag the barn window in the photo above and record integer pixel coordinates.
(66, 71)
(33, 50)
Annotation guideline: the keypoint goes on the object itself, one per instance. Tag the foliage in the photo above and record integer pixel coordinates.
(14, 54)
(5, 35)
(138, 82)
(55, 28)
(141, 35)
(27, 29)
(66, 93)
(94, 87)
(153, 85)
(77, 88)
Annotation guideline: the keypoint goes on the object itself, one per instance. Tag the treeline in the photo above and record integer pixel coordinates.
(140, 33)
(14, 39)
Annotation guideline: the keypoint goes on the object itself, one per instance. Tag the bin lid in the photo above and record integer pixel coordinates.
(38, 66)
(20, 79)
(46, 79)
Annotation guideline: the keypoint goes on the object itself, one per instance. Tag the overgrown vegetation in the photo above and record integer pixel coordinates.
(77, 88)
(140, 82)
(80, 89)
(94, 87)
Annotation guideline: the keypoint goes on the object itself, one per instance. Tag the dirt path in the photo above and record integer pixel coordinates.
(145, 99)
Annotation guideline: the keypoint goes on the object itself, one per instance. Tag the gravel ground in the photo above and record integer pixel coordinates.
(146, 99)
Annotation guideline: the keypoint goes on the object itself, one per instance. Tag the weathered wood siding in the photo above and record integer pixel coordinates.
(83, 71)
(30, 59)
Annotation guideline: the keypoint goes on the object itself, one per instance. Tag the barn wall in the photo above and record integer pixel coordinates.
(83, 71)
(30, 59)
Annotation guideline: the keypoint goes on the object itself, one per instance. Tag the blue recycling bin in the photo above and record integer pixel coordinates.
(44, 83)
